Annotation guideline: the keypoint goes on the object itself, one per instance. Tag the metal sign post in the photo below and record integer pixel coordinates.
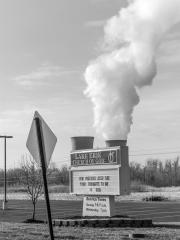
(5, 178)
(43, 165)
(41, 143)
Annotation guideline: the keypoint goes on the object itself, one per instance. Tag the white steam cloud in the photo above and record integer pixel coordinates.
(129, 62)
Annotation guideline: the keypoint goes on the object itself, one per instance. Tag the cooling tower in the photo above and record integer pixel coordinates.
(115, 143)
(82, 142)
(124, 162)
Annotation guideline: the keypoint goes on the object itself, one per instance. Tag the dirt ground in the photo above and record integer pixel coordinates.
(40, 232)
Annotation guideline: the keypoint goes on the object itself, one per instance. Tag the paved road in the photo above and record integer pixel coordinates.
(20, 210)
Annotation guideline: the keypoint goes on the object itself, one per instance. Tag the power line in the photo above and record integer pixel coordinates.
(156, 153)
(154, 149)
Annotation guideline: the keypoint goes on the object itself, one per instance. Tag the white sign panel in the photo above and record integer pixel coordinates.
(96, 206)
(96, 182)
(48, 137)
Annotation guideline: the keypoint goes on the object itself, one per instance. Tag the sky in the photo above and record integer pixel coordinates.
(45, 47)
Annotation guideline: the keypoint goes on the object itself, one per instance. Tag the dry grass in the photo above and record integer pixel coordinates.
(137, 186)
(22, 189)
(40, 232)
(61, 193)
(59, 189)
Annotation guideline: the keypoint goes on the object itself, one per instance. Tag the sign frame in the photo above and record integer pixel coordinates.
(94, 157)
(93, 170)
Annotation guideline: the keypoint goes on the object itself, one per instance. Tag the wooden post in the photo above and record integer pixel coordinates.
(43, 165)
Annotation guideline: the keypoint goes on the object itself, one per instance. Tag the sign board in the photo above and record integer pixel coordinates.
(101, 206)
(96, 181)
(49, 140)
(95, 157)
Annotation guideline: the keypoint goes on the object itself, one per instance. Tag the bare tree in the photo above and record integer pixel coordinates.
(32, 179)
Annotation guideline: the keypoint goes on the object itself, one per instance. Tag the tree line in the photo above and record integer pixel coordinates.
(17, 176)
(155, 172)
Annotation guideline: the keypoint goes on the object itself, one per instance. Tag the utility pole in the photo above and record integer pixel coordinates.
(5, 179)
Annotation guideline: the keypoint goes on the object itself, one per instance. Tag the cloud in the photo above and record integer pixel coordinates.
(42, 76)
(17, 121)
(169, 51)
(174, 33)
(12, 120)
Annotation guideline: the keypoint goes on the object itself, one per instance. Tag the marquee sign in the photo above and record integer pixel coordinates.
(95, 157)
(99, 175)
(96, 182)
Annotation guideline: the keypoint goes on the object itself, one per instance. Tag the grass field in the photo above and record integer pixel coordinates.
(40, 232)
(19, 231)
(22, 189)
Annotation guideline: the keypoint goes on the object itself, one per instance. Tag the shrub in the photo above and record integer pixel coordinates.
(155, 198)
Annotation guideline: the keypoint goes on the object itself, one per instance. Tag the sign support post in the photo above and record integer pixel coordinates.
(5, 177)
(43, 165)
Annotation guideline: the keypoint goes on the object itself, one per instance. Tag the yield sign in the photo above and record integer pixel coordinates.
(49, 140)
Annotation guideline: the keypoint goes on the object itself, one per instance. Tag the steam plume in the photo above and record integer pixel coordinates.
(131, 40)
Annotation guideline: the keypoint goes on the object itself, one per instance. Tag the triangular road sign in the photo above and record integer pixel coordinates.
(49, 140)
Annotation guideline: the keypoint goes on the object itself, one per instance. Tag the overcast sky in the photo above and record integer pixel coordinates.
(45, 47)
